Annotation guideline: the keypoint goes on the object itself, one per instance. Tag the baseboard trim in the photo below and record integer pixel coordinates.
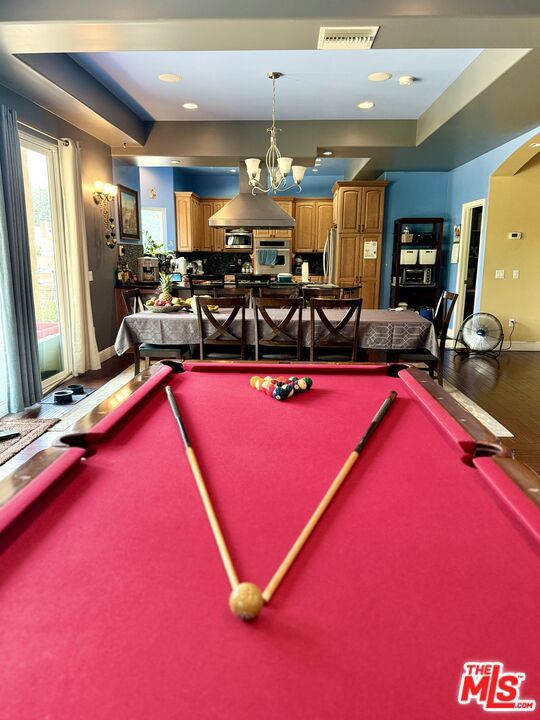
(517, 345)
(107, 353)
(523, 345)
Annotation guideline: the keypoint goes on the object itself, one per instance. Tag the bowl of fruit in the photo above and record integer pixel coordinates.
(165, 302)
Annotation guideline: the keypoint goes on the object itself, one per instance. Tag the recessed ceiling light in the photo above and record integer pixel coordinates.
(328, 152)
(379, 76)
(190, 106)
(366, 105)
(169, 77)
(535, 144)
(314, 170)
(232, 170)
(407, 80)
(175, 162)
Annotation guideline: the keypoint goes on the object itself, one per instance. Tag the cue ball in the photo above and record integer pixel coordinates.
(246, 601)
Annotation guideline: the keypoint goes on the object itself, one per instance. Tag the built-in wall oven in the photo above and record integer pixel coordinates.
(272, 256)
(239, 239)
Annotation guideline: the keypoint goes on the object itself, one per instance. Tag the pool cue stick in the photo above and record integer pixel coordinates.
(325, 502)
(205, 497)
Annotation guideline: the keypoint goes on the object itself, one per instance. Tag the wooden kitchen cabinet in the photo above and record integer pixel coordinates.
(313, 221)
(187, 221)
(359, 213)
(206, 236)
(324, 212)
(306, 221)
(348, 253)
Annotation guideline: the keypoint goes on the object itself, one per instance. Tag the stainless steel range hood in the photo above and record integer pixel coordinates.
(251, 211)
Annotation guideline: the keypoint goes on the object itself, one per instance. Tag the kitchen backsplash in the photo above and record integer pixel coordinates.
(228, 263)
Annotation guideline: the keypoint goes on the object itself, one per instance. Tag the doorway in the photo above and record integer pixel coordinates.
(45, 231)
(469, 268)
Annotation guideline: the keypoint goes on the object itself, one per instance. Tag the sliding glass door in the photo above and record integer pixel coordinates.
(42, 196)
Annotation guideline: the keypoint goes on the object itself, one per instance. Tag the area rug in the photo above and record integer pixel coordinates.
(476, 411)
(89, 403)
(30, 430)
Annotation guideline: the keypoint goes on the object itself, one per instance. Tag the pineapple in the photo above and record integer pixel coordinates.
(166, 285)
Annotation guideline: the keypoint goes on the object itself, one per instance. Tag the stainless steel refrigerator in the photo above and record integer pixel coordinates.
(330, 257)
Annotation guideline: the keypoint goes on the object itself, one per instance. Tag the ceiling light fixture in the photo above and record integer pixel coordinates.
(190, 106)
(328, 152)
(169, 77)
(366, 105)
(233, 170)
(278, 167)
(407, 80)
(379, 76)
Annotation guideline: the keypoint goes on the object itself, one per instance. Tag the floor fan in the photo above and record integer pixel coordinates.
(481, 334)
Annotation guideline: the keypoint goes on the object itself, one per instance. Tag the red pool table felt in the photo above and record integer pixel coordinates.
(114, 601)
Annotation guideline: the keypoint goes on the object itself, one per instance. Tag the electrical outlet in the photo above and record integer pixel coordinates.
(511, 322)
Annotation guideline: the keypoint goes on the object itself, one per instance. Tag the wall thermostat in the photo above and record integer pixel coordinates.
(515, 236)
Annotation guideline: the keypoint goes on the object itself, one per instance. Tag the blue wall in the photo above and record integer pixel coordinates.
(471, 182)
(206, 184)
(160, 179)
(410, 194)
(226, 185)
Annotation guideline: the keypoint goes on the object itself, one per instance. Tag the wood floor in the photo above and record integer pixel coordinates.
(508, 389)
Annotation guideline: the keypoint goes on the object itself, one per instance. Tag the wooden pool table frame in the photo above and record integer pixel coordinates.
(486, 444)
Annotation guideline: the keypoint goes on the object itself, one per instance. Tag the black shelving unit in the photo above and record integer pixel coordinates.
(408, 281)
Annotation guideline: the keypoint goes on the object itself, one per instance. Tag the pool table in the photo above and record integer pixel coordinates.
(114, 601)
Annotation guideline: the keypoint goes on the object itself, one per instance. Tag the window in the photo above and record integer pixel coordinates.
(154, 229)
(41, 189)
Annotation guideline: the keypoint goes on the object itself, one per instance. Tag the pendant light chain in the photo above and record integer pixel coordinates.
(277, 171)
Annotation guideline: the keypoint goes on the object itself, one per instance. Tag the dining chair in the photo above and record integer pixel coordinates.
(133, 303)
(441, 321)
(217, 331)
(282, 334)
(206, 284)
(320, 292)
(274, 291)
(331, 334)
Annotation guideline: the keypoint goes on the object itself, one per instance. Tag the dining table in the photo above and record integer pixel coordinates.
(388, 330)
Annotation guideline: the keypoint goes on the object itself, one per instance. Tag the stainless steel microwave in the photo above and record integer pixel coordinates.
(417, 276)
(239, 239)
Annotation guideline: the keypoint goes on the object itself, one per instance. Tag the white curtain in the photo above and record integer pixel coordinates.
(82, 335)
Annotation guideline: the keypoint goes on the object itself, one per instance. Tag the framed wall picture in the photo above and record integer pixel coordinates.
(128, 213)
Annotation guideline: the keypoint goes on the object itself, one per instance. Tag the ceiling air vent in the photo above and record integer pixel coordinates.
(347, 38)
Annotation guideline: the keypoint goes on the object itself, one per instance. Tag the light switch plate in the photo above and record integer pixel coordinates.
(90, 275)
(515, 274)
(499, 274)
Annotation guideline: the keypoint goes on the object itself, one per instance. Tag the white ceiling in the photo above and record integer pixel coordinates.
(318, 85)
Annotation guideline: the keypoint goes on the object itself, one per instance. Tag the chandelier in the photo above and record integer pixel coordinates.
(278, 167)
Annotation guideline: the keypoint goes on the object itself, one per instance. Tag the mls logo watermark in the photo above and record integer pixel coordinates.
(486, 683)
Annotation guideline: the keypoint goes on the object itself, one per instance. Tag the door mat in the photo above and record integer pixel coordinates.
(49, 399)
(29, 429)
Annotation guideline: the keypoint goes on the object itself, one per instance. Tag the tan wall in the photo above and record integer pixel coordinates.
(514, 205)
